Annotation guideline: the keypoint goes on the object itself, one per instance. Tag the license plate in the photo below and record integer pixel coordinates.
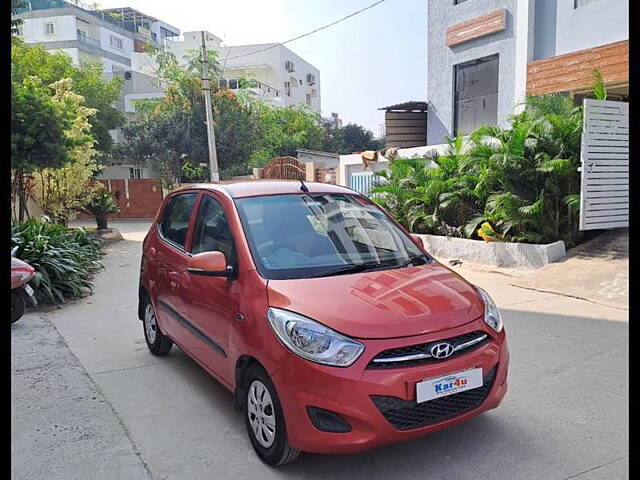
(448, 385)
(29, 290)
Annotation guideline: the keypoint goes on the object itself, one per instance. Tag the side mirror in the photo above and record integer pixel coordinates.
(418, 240)
(210, 264)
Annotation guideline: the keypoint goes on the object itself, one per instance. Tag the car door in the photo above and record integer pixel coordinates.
(211, 303)
(172, 258)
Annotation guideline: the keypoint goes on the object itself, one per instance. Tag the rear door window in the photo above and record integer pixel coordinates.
(175, 221)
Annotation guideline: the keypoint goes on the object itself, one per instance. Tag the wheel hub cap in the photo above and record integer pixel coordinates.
(261, 414)
(150, 323)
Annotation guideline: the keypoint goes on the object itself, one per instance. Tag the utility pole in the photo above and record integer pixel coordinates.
(211, 136)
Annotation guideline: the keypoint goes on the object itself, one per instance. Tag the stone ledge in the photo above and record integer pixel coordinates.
(108, 234)
(499, 254)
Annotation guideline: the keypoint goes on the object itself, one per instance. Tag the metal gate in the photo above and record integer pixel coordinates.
(604, 199)
(363, 182)
(284, 168)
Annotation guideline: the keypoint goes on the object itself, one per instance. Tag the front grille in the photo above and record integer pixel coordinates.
(379, 360)
(407, 414)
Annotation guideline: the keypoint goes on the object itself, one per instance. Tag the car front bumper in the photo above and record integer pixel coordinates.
(350, 393)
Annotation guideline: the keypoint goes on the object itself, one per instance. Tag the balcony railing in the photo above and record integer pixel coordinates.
(241, 84)
(88, 40)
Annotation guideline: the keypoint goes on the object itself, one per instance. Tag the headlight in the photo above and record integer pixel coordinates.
(491, 314)
(313, 341)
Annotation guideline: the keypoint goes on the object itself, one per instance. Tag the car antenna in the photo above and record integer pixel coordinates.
(303, 187)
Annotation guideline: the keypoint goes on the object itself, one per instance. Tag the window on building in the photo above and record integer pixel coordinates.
(287, 88)
(456, 2)
(475, 94)
(115, 42)
(233, 84)
(49, 29)
(134, 172)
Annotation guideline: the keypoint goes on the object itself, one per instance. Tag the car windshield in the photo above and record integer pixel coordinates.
(315, 235)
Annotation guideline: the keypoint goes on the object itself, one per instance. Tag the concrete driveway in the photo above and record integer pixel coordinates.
(564, 417)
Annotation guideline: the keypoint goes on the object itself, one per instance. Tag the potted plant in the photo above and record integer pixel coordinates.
(100, 206)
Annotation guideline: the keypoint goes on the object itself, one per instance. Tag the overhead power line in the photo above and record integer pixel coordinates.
(311, 32)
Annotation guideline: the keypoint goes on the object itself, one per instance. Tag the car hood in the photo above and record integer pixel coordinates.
(382, 304)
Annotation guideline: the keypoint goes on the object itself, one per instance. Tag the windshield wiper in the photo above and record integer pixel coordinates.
(350, 268)
(414, 258)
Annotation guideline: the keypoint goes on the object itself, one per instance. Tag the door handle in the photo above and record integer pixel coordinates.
(174, 279)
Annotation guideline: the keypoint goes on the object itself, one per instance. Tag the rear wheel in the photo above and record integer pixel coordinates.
(158, 343)
(18, 306)
(264, 419)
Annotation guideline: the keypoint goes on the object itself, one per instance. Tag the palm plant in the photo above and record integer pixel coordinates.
(530, 171)
(398, 187)
(518, 184)
(100, 206)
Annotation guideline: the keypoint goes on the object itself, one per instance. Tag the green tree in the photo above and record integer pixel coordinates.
(350, 138)
(282, 130)
(88, 81)
(37, 138)
(66, 189)
(170, 133)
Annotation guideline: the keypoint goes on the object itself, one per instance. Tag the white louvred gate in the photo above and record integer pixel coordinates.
(604, 196)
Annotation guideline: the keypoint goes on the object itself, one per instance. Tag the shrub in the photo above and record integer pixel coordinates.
(65, 259)
(516, 184)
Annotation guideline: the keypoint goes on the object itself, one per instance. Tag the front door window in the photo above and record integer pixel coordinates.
(212, 232)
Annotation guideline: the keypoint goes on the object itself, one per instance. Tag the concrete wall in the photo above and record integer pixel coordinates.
(560, 28)
(122, 171)
(441, 60)
(352, 163)
(105, 42)
(329, 161)
(64, 29)
(593, 23)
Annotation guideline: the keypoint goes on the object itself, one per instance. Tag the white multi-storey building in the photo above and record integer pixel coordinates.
(108, 36)
(270, 71)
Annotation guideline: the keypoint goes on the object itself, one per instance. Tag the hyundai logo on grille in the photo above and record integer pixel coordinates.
(441, 350)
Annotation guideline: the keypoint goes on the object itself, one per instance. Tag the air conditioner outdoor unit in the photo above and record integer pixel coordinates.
(289, 66)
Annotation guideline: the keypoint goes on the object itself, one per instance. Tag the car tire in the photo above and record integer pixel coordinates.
(263, 414)
(158, 343)
(18, 306)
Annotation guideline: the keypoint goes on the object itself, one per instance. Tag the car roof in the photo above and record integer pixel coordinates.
(267, 187)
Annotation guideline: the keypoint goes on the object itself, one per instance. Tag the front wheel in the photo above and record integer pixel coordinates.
(18, 306)
(264, 419)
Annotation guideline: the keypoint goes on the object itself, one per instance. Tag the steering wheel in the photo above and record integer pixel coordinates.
(265, 248)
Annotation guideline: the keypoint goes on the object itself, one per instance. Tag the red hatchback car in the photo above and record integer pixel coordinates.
(333, 328)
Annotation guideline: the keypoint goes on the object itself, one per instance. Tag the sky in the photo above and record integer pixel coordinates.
(372, 60)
